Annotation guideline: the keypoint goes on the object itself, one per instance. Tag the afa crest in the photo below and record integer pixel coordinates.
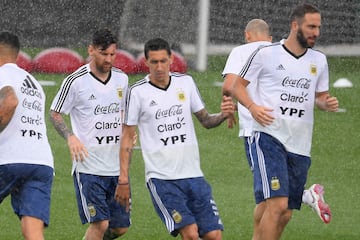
(181, 95)
(92, 210)
(313, 69)
(120, 92)
(275, 183)
(176, 216)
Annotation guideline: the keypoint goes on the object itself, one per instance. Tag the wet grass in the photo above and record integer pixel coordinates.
(336, 150)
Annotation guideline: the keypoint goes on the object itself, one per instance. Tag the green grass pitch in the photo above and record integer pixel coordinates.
(335, 155)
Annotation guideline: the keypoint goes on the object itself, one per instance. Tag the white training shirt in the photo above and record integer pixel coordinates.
(24, 140)
(166, 129)
(235, 62)
(95, 109)
(287, 84)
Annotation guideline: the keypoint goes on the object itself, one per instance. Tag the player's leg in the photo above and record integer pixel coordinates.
(119, 218)
(168, 195)
(260, 203)
(189, 232)
(114, 233)
(275, 218)
(270, 185)
(32, 228)
(31, 199)
(203, 206)
(92, 203)
(96, 230)
(258, 213)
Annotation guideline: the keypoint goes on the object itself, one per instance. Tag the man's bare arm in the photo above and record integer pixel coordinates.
(8, 104)
(209, 120)
(59, 124)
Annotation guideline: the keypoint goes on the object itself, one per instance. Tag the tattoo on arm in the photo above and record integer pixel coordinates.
(59, 124)
(209, 120)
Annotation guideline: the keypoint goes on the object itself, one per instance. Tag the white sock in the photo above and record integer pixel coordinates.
(306, 197)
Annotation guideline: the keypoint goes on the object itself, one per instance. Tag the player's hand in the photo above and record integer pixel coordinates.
(77, 150)
(261, 114)
(227, 106)
(122, 195)
(332, 104)
(231, 121)
(134, 139)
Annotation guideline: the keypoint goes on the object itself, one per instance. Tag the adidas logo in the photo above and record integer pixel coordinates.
(29, 83)
(29, 88)
(280, 67)
(152, 103)
(92, 97)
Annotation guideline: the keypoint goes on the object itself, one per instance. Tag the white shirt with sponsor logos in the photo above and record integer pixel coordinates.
(166, 129)
(235, 62)
(24, 139)
(287, 84)
(95, 109)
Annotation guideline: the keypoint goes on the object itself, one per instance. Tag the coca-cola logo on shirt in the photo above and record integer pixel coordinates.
(302, 83)
(109, 109)
(32, 105)
(172, 111)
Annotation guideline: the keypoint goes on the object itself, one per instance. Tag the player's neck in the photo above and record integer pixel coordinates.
(294, 46)
(160, 82)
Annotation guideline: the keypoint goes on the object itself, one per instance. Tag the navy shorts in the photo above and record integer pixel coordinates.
(96, 202)
(277, 172)
(183, 202)
(30, 188)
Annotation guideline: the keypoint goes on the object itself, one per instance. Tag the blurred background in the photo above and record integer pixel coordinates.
(71, 23)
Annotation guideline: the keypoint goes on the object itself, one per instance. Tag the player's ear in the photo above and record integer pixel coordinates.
(294, 25)
(247, 36)
(171, 57)
(91, 50)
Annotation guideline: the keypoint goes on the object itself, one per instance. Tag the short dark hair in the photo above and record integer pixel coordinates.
(299, 11)
(156, 44)
(103, 38)
(11, 40)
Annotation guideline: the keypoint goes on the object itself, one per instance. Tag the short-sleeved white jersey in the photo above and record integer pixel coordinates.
(95, 109)
(166, 129)
(287, 84)
(24, 140)
(235, 62)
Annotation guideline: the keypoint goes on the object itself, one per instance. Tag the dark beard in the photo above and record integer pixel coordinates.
(301, 39)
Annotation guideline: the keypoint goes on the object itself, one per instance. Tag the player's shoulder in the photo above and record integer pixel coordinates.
(177, 75)
(139, 84)
(268, 49)
(116, 70)
(181, 78)
(316, 52)
(80, 72)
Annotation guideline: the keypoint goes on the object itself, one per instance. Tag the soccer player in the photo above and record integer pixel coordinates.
(26, 160)
(257, 34)
(288, 77)
(94, 96)
(161, 105)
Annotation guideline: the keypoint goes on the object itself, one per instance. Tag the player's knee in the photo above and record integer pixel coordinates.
(119, 231)
(213, 235)
(190, 232)
(285, 217)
